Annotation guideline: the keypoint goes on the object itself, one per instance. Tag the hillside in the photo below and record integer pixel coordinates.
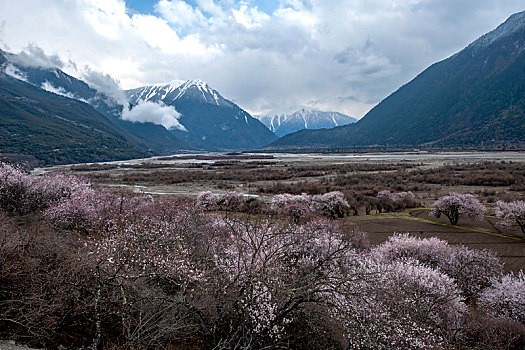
(55, 129)
(145, 135)
(209, 120)
(475, 97)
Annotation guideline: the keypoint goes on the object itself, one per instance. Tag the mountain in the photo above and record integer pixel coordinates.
(304, 118)
(145, 135)
(475, 97)
(209, 120)
(56, 129)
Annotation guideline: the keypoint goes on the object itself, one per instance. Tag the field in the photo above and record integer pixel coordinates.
(488, 176)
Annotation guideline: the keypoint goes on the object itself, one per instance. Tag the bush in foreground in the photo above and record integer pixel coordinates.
(505, 298)
(472, 270)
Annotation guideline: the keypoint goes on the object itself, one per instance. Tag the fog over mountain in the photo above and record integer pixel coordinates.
(206, 119)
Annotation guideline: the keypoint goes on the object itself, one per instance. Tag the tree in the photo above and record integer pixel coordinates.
(512, 213)
(455, 204)
(505, 298)
(471, 269)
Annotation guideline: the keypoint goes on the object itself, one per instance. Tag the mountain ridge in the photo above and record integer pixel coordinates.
(56, 129)
(304, 118)
(474, 97)
(211, 121)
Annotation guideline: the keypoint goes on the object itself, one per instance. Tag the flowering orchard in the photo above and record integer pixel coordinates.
(331, 204)
(101, 269)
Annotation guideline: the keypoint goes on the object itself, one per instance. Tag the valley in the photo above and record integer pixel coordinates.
(141, 208)
(490, 176)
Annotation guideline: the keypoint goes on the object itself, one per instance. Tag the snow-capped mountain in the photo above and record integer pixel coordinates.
(206, 121)
(47, 128)
(145, 134)
(283, 124)
(210, 121)
(195, 90)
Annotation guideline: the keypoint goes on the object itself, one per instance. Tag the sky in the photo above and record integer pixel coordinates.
(268, 56)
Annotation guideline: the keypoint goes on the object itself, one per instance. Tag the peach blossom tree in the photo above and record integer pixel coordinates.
(512, 213)
(455, 204)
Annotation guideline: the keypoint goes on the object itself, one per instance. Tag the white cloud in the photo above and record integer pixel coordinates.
(104, 83)
(179, 13)
(249, 17)
(34, 56)
(339, 55)
(157, 113)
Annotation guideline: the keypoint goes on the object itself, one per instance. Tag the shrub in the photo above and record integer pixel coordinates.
(401, 305)
(390, 201)
(231, 201)
(22, 194)
(272, 271)
(76, 212)
(455, 204)
(16, 193)
(331, 204)
(505, 298)
(281, 200)
(208, 200)
(471, 269)
(296, 212)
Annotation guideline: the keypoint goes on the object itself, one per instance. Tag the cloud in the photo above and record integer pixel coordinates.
(105, 84)
(179, 12)
(34, 56)
(157, 113)
(264, 57)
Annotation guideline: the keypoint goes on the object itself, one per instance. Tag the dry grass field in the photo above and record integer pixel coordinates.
(488, 176)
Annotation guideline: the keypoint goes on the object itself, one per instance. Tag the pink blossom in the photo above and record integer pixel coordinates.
(398, 305)
(512, 213)
(395, 197)
(297, 212)
(455, 204)
(208, 200)
(505, 298)
(331, 204)
(21, 193)
(231, 201)
(471, 269)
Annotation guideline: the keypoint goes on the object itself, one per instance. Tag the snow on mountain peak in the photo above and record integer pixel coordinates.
(303, 118)
(513, 24)
(208, 94)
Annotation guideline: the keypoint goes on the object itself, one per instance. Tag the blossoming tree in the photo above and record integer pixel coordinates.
(455, 204)
(512, 213)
